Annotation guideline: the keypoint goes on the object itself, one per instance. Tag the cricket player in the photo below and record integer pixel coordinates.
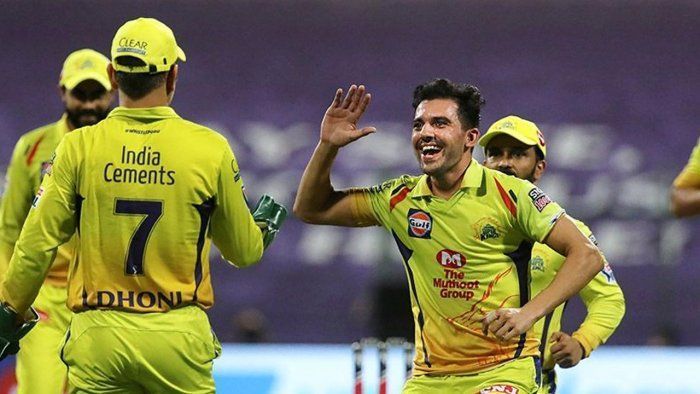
(86, 94)
(465, 234)
(146, 191)
(516, 146)
(685, 192)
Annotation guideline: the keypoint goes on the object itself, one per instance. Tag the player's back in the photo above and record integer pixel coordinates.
(147, 184)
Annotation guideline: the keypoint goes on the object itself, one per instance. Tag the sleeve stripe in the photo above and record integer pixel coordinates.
(506, 199)
(32, 152)
(398, 197)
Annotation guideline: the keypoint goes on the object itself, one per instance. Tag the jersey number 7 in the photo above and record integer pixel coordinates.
(152, 210)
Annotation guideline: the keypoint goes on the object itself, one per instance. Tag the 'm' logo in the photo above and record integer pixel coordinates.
(500, 388)
(451, 259)
(419, 224)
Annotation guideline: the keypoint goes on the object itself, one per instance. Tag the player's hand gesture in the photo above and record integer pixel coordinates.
(566, 350)
(506, 324)
(339, 125)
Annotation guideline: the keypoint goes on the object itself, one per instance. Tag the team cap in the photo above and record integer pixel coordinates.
(82, 65)
(518, 128)
(147, 39)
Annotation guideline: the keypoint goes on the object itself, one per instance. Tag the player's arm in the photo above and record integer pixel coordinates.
(317, 201)
(685, 192)
(16, 201)
(605, 305)
(50, 223)
(542, 220)
(233, 228)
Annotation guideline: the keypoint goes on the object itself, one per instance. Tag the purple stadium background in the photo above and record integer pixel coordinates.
(614, 86)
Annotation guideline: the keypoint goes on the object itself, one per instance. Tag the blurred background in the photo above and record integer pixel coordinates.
(612, 84)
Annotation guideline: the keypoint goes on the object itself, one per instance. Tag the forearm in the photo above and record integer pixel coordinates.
(27, 271)
(604, 315)
(685, 202)
(315, 193)
(580, 266)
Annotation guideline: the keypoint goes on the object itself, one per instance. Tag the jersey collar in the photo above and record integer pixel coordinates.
(150, 114)
(472, 178)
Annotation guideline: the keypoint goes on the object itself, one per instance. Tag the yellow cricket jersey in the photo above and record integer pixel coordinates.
(464, 257)
(30, 160)
(690, 176)
(602, 297)
(147, 191)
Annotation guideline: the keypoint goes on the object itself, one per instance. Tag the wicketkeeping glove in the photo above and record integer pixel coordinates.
(10, 332)
(269, 216)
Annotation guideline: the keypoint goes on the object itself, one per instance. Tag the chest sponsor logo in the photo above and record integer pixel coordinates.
(451, 259)
(420, 224)
(539, 198)
(537, 264)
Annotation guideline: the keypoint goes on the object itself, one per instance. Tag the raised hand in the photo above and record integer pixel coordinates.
(339, 125)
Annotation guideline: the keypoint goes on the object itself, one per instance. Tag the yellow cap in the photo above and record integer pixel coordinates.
(518, 128)
(82, 65)
(147, 39)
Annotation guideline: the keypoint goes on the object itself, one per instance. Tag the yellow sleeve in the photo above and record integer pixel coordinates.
(690, 176)
(51, 222)
(605, 305)
(361, 207)
(16, 201)
(374, 204)
(233, 229)
(536, 212)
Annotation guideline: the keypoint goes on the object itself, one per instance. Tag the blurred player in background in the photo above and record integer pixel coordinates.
(86, 94)
(465, 234)
(146, 192)
(685, 193)
(516, 146)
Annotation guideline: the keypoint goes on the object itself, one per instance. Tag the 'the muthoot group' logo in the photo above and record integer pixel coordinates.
(451, 259)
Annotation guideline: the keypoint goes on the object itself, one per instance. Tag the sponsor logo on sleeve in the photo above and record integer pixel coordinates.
(236, 171)
(37, 197)
(539, 198)
(46, 167)
(608, 273)
(593, 239)
(420, 224)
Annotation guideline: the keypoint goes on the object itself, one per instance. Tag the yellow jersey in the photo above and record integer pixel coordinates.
(147, 192)
(602, 296)
(690, 176)
(30, 161)
(463, 257)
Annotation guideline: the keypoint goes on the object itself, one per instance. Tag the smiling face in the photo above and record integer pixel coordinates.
(510, 156)
(440, 141)
(87, 103)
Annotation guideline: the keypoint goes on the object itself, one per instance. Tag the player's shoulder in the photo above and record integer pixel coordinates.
(202, 133)
(508, 182)
(394, 185)
(34, 136)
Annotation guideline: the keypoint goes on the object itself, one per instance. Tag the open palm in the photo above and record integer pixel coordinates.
(339, 125)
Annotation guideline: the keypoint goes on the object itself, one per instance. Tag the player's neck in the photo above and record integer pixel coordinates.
(156, 98)
(446, 185)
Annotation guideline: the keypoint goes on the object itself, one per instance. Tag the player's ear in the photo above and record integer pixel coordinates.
(62, 92)
(540, 166)
(171, 79)
(471, 136)
(112, 77)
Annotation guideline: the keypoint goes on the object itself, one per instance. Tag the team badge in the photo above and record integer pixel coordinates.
(537, 263)
(45, 169)
(488, 232)
(539, 198)
(451, 259)
(420, 224)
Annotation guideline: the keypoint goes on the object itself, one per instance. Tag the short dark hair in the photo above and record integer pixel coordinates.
(467, 97)
(137, 85)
